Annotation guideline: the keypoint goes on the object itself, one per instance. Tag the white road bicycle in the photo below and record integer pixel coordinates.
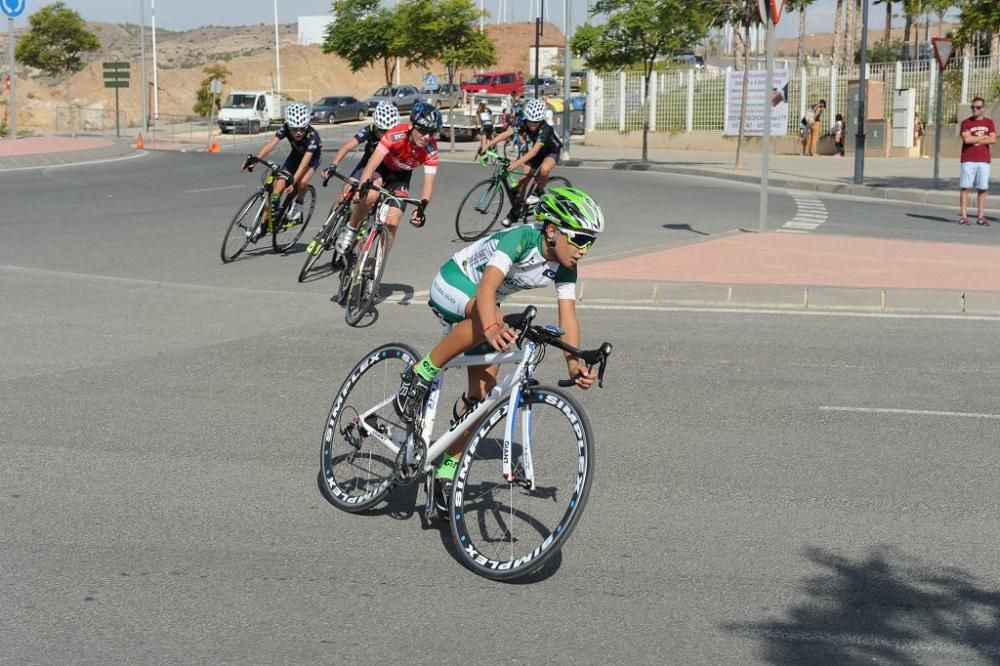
(525, 474)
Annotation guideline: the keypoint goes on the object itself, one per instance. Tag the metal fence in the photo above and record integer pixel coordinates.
(691, 100)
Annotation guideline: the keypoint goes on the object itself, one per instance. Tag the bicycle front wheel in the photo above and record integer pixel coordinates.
(287, 233)
(241, 228)
(339, 214)
(508, 528)
(479, 210)
(365, 279)
(358, 460)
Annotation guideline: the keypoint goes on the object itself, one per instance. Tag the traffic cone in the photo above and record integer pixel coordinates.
(139, 143)
(214, 148)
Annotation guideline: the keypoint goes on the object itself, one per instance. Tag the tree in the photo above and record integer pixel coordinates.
(887, 33)
(56, 41)
(977, 17)
(742, 15)
(203, 105)
(362, 33)
(800, 7)
(444, 31)
(837, 21)
(639, 32)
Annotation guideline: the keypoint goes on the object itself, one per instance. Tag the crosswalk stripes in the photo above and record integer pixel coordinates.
(810, 213)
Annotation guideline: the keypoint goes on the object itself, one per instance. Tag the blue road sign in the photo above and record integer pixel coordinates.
(430, 81)
(13, 8)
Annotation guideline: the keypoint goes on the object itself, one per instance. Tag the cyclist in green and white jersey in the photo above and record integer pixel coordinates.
(470, 286)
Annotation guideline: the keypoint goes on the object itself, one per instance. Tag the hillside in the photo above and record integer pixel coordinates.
(247, 51)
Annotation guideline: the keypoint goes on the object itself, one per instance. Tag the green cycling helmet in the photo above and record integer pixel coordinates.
(570, 208)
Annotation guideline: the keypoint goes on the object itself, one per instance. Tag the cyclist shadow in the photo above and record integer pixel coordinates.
(298, 248)
(387, 290)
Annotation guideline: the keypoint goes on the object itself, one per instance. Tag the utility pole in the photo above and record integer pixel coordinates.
(859, 140)
(156, 86)
(142, 66)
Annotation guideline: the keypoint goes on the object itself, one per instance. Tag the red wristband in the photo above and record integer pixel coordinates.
(496, 323)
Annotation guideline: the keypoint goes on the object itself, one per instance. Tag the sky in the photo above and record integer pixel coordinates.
(186, 14)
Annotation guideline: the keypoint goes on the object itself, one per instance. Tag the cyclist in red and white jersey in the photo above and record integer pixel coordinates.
(402, 149)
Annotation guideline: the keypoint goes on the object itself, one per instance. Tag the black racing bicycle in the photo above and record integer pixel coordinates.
(339, 215)
(482, 206)
(254, 219)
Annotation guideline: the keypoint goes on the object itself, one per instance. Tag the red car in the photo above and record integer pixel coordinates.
(507, 82)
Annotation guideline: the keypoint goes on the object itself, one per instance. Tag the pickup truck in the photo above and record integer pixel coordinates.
(249, 111)
(463, 117)
(446, 96)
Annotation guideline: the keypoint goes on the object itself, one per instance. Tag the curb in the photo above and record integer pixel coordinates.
(783, 297)
(870, 191)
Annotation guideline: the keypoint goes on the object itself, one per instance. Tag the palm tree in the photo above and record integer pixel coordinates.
(836, 33)
(887, 34)
(800, 7)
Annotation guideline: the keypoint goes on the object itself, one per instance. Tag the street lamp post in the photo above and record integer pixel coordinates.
(859, 139)
(277, 48)
(156, 87)
(142, 66)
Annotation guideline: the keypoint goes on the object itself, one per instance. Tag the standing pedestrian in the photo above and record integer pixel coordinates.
(804, 125)
(978, 134)
(838, 135)
(817, 126)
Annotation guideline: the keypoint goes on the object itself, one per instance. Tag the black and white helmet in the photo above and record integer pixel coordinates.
(297, 115)
(534, 110)
(386, 115)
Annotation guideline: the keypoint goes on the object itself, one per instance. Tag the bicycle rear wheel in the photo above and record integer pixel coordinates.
(357, 465)
(365, 279)
(557, 181)
(286, 233)
(479, 210)
(339, 214)
(506, 529)
(240, 229)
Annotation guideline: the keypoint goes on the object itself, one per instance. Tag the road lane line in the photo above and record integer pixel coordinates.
(216, 189)
(73, 164)
(908, 412)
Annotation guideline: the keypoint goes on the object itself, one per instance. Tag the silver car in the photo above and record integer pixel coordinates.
(546, 86)
(403, 97)
(339, 108)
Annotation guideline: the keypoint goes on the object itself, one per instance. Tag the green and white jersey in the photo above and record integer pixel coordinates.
(519, 254)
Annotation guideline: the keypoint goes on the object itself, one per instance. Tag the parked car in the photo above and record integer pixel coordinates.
(445, 96)
(339, 108)
(403, 97)
(576, 80)
(504, 82)
(546, 85)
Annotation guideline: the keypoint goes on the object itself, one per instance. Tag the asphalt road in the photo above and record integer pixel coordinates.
(769, 488)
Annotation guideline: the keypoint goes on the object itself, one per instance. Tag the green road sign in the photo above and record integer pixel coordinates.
(115, 65)
(116, 84)
(113, 76)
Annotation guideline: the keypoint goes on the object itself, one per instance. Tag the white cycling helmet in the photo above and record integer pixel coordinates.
(386, 115)
(297, 115)
(534, 110)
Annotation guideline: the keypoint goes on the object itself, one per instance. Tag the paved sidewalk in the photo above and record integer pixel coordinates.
(43, 151)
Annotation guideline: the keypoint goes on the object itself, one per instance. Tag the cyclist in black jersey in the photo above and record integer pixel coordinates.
(385, 117)
(307, 147)
(542, 156)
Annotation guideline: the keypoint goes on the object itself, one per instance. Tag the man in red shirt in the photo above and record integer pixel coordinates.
(978, 134)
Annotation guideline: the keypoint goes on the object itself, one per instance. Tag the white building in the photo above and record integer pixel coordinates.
(312, 29)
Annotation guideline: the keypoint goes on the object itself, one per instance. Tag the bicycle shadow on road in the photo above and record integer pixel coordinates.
(884, 607)
(685, 227)
(388, 289)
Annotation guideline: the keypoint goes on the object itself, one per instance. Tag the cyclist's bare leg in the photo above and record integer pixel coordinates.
(300, 187)
(361, 209)
(482, 379)
(548, 164)
(392, 223)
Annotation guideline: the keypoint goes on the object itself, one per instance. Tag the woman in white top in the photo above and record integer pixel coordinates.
(485, 118)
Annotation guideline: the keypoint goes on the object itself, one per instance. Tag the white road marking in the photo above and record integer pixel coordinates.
(216, 189)
(792, 231)
(810, 212)
(73, 164)
(908, 412)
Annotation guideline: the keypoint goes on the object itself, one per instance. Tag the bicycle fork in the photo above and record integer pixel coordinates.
(513, 404)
